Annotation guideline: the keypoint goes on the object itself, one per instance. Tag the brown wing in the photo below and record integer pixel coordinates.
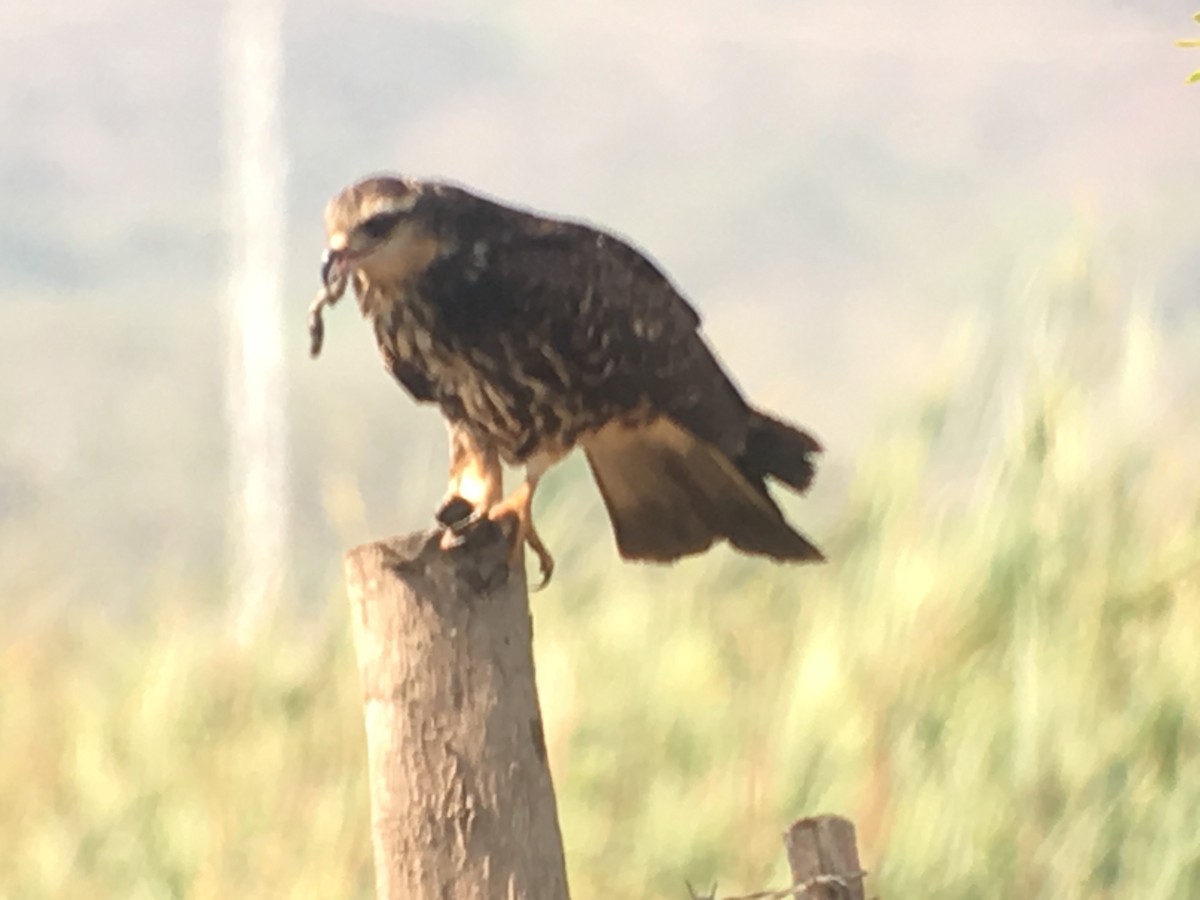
(695, 474)
(586, 331)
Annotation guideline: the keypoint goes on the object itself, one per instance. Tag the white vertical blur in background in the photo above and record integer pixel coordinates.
(256, 398)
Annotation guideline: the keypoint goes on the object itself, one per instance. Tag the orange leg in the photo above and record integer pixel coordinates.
(519, 506)
(476, 486)
(476, 479)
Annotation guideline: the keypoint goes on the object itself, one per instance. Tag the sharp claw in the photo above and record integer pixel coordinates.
(546, 565)
(545, 560)
(451, 539)
(457, 518)
(456, 533)
(454, 512)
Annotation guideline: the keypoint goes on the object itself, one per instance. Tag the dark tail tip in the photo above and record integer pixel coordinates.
(781, 451)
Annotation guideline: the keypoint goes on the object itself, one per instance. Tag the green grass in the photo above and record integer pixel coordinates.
(996, 677)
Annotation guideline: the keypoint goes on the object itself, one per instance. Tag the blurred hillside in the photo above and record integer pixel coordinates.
(832, 184)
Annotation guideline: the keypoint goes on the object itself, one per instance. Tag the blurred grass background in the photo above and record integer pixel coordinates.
(996, 676)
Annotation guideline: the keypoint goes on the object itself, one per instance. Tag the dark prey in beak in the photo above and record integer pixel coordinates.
(333, 285)
(328, 261)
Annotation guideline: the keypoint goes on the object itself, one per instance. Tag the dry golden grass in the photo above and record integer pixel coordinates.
(996, 677)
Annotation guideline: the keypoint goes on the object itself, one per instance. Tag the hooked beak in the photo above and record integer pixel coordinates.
(333, 265)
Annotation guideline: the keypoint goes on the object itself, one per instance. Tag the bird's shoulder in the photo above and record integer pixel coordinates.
(562, 261)
(594, 297)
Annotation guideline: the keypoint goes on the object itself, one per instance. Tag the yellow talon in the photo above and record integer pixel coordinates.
(519, 508)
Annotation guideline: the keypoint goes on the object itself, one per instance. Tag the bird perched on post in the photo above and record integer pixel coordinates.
(536, 335)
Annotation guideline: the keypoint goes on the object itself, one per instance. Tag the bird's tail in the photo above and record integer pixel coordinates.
(779, 450)
(669, 494)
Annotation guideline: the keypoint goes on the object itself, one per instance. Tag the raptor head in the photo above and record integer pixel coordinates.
(373, 226)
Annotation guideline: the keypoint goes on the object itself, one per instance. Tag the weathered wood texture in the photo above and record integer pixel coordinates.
(823, 853)
(462, 805)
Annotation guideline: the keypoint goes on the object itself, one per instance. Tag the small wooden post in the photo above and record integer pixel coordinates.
(462, 805)
(823, 853)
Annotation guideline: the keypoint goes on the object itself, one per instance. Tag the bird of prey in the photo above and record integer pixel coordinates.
(535, 335)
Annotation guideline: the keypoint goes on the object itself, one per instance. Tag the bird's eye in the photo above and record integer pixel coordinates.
(380, 225)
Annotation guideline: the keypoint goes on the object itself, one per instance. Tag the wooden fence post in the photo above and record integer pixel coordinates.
(462, 805)
(822, 852)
